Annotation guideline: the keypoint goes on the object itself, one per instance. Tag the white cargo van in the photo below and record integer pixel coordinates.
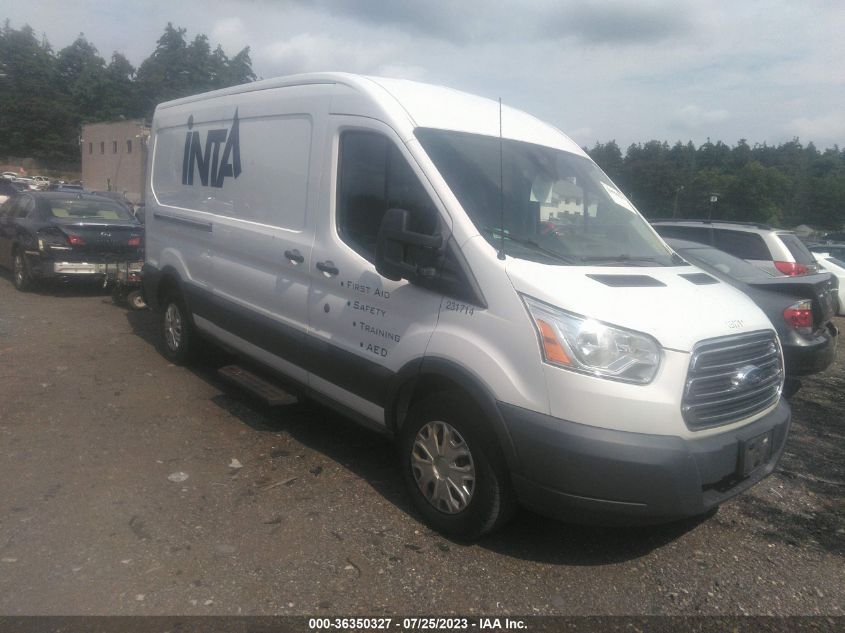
(468, 281)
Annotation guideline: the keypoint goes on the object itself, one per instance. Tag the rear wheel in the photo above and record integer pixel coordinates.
(453, 468)
(178, 337)
(20, 272)
(135, 299)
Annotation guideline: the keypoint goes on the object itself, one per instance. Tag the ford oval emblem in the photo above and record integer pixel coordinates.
(747, 376)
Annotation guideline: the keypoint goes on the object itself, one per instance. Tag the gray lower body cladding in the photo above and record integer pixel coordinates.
(586, 474)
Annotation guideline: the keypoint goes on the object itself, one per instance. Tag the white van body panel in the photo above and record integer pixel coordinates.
(663, 312)
(357, 311)
(498, 343)
(448, 109)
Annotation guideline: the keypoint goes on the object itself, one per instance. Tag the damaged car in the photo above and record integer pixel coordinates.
(47, 235)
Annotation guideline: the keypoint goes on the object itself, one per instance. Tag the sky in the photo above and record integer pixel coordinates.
(629, 71)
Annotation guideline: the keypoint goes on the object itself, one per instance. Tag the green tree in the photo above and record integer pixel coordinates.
(707, 182)
(757, 193)
(34, 114)
(119, 100)
(652, 178)
(178, 69)
(608, 156)
(83, 79)
(164, 74)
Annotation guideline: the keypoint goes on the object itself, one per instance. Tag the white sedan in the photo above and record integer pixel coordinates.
(836, 267)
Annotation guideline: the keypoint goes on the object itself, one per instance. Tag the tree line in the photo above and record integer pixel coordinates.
(45, 96)
(783, 185)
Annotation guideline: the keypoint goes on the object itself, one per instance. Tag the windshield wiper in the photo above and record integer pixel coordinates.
(620, 259)
(497, 233)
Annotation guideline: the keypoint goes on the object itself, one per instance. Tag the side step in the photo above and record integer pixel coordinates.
(265, 391)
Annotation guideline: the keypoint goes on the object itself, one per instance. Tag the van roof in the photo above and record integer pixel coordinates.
(410, 104)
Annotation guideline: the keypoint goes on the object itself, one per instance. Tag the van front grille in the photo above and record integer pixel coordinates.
(731, 378)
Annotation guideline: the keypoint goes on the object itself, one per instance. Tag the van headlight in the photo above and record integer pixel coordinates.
(588, 346)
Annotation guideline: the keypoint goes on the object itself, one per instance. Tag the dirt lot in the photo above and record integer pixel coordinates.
(93, 421)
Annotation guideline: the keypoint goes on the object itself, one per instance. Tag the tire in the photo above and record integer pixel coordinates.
(21, 276)
(178, 336)
(135, 299)
(464, 491)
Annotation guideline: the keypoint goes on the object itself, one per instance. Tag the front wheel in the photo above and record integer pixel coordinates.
(178, 336)
(453, 469)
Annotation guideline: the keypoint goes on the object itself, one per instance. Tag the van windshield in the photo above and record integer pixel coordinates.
(559, 208)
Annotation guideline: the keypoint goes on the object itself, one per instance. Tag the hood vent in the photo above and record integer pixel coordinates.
(627, 281)
(699, 279)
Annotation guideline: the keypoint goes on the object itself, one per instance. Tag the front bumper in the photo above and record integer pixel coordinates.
(586, 474)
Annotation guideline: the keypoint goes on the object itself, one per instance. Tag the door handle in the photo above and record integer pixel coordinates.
(294, 256)
(328, 268)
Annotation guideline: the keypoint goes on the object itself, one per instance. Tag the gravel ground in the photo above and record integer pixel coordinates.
(94, 423)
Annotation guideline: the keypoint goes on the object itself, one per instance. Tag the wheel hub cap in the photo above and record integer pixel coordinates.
(173, 327)
(443, 468)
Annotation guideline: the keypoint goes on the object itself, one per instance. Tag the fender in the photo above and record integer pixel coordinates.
(404, 380)
(151, 278)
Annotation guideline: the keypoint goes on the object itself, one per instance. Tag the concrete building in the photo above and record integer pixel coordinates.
(114, 157)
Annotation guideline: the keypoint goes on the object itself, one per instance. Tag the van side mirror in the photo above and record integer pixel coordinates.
(400, 252)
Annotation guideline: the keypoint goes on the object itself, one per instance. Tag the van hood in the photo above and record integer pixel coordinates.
(679, 306)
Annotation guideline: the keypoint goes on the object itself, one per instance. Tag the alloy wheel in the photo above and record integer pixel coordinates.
(173, 327)
(19, 270)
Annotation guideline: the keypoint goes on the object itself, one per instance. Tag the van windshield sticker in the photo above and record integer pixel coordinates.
(213, 168)
(618, 197)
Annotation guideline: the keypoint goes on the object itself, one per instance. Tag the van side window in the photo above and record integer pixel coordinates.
(373, 178)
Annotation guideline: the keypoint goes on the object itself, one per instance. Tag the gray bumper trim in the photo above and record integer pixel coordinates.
(587, 474)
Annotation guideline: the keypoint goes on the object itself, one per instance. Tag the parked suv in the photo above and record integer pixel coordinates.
(775, 251)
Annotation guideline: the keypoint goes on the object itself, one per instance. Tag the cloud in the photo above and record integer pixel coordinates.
(616, 23)
(692, 117)
(311, 52)
(598, 69)
(443, 19)
(231, 33)
(828, 126)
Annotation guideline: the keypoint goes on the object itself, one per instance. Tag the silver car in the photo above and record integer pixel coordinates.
(778, 252)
